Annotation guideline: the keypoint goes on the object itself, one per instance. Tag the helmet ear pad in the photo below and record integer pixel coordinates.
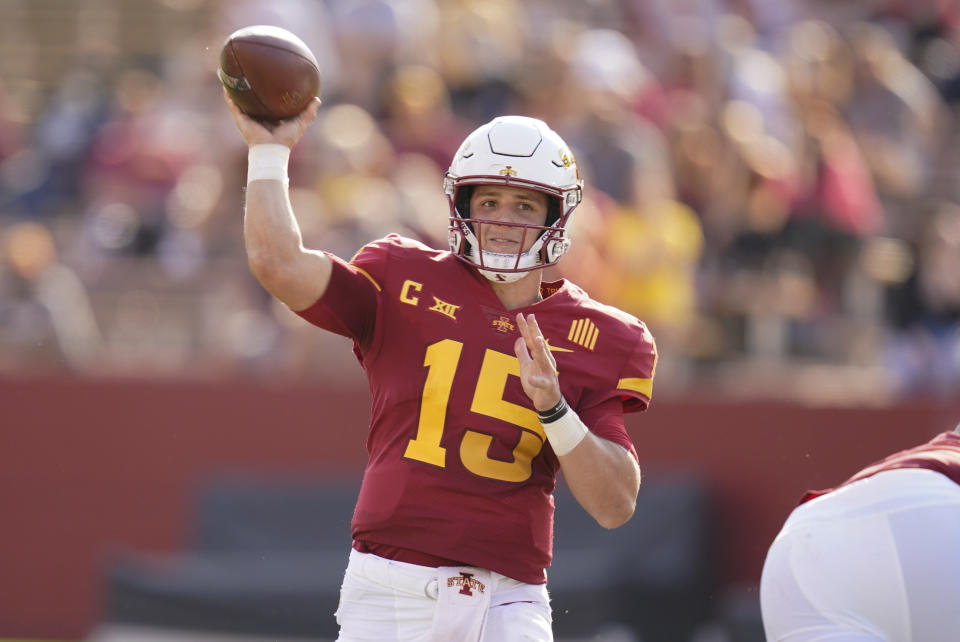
(462, 203)
(554, 207)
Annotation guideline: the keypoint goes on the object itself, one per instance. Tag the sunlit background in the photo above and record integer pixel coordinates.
(771, 185)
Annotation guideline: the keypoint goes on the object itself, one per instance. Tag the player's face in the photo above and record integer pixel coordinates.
(510, 205)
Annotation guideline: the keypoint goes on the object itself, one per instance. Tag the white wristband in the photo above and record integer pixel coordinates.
(267, 161)
(565, 433)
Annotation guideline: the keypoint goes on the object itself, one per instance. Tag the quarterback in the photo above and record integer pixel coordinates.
(485, 382)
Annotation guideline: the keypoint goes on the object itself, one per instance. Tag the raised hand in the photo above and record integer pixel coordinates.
(285, 132)
(538, 368)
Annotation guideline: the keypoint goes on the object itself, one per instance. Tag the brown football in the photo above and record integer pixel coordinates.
(269, 72)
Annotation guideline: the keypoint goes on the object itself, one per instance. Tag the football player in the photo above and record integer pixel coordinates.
(485, 381)
(876, 558)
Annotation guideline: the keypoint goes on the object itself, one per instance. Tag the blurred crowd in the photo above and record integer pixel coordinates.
(770, 185)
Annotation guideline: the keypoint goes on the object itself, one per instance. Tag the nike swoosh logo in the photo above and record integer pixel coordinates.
(555, 348)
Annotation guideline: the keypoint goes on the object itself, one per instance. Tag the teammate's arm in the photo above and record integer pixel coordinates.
(292, 273)
(602, 475)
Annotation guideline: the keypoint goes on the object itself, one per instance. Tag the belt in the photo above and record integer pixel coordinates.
(408, 578)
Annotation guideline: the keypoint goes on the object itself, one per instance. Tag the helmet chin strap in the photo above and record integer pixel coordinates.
(503, 277)
(494, 260)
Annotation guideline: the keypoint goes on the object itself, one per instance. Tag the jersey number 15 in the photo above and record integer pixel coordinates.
(442, 359)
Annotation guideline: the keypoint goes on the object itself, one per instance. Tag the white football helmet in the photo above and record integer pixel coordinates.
(519, 152)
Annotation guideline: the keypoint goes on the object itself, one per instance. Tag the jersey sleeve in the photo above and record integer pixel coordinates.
(630, 389)
(634, 385)
(606, 420)
(350, 304)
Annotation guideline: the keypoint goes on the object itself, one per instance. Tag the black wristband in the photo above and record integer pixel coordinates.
(551, 415)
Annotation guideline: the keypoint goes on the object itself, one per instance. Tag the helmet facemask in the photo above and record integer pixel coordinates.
(521, 152)
(466, 234)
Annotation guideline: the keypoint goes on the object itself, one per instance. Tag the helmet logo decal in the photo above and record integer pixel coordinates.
(566, 160)
(507, 171)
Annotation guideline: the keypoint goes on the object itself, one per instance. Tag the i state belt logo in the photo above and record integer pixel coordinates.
(467, 583)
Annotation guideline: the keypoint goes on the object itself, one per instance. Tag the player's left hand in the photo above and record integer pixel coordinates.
(538, 368)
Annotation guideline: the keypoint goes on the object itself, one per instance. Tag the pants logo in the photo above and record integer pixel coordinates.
(467, 583)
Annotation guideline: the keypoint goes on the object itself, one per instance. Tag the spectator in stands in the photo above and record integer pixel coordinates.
(44, 304)
(417, 114)
(895, 112)
(924, 346)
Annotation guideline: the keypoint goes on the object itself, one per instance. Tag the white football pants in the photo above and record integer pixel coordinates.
(876, 560)
(383, 600)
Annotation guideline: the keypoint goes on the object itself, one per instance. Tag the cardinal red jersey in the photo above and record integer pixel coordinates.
(459, 467)
(941, 454)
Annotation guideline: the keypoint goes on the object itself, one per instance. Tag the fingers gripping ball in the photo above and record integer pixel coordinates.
(268, 72)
